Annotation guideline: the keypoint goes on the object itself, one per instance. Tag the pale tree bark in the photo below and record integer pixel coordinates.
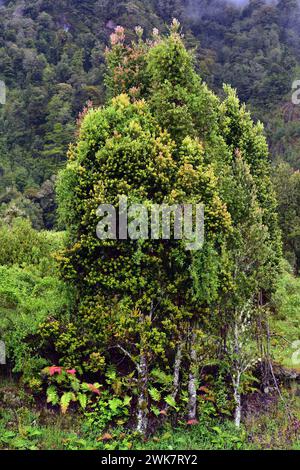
(243, 359)
(238, 401)
(143, 379)
(192, 385)
(142, 416)
(237, 378)
(176, 373)
(142, 406)
(177, 367)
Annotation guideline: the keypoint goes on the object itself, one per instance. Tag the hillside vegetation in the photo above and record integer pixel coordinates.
(129, 343)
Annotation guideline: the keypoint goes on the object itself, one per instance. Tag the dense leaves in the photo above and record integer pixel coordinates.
(52, 60)
(163, 137)
(143, 317)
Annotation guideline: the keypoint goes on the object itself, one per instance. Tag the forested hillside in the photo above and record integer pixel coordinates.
(120, 341)
(52, 59)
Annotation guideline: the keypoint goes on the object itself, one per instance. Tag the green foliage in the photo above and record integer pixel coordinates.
(26, 300)
(154, 394)
(122, 149)
(52, 396)
(161, 137)
(21, 245)
(27, 428)
(171, 402)
(285, 324)
(156, 146)
(209, 434)
(30, 292)
(108, 410)
(52, 60)
(287, 185)
(65, 388)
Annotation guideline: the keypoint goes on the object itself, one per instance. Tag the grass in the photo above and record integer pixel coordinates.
(278, 428)
(24, 426)
(215, 436)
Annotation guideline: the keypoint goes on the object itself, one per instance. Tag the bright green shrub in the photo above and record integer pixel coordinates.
(26, 300)
(165, 139)
(21, 245)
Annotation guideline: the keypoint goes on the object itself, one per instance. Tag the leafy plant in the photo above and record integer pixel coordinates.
(65, 388)
(107, 409)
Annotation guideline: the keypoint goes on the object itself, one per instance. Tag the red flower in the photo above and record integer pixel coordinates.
(71, 371)
(192, 422)
(55, 370)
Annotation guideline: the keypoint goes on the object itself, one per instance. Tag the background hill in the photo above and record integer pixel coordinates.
(52, 60)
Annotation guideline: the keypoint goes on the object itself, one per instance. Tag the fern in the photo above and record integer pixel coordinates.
(82, 398)
(115, 404)
(127, 400)
(52, 396)
(155, 410)
(171, 402)
(161, 377)
(65, 401)
(154, 394)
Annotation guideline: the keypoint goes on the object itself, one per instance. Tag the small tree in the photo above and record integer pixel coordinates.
(250, 250)
(148, 284)
(241, 352)
(163, 137)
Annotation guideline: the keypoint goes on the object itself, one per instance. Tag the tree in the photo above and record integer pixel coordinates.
(122, 150)
(146, 300)
(287, 185)
(249, 250)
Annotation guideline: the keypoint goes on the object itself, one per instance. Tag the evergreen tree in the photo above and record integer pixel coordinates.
(144, 299)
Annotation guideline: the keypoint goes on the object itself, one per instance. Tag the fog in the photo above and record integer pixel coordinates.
(199, 8)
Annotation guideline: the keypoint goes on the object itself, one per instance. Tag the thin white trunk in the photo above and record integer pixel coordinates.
(142, 417)
(177, 367)
(237, 379)
(238, 402)
(176, 376)
(192, 386)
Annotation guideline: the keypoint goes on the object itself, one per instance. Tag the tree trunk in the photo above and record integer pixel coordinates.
(192, 387)
(238, 402)
(176, 374)
(142, 417)
(237, 380)
(177, 367)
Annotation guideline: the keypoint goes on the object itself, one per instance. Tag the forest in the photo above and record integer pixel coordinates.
(143, 343)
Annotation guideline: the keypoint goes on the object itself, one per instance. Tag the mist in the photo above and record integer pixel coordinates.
(200, 8)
